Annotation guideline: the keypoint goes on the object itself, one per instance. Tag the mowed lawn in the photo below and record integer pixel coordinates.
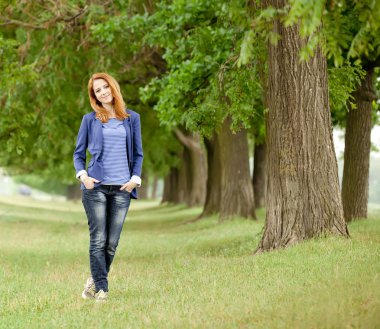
(171, 274)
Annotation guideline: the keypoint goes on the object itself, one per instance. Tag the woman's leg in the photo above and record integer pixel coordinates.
(95, 204)
(118, 205)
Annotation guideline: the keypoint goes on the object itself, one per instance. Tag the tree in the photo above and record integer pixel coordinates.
(213, 189)
(361, 31)
(303, 197)
(201, 91)
(350, 39)
(357, 150)
(195, 163)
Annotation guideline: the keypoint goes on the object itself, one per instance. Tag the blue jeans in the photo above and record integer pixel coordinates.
(106, 208)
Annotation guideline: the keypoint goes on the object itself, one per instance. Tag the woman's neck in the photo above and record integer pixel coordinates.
(110, 109)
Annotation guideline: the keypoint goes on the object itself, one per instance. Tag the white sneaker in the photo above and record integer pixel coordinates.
(89, 289)
(101, 296)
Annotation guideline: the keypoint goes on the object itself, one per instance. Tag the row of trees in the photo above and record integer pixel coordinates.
(223, 78)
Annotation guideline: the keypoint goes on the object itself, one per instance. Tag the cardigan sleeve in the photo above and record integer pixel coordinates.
(137, 148)
(80, 149)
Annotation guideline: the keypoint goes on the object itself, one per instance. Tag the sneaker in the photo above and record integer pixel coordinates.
(89, 289)
(101, 296)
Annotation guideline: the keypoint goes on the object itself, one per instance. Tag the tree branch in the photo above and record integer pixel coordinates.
(189, 142)
(43, 25)
(8, 21)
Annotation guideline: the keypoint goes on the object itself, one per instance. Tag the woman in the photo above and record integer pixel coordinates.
(112, 135)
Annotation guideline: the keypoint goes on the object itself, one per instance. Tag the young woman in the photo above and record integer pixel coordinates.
(112, 135)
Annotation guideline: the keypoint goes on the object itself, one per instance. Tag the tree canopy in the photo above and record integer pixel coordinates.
(193, 62)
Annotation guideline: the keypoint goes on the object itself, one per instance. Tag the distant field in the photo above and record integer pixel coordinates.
(169, 274)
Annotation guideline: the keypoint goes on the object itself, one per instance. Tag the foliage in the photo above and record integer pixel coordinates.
(203, 82)
(343, 81)
(193, 61)
(50, 50)
(350, 28)
(347, 32)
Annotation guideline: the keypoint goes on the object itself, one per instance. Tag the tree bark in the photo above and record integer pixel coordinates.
(259, 173)
(303, 198)
(357, 151)
(237, 192)
(213, 186)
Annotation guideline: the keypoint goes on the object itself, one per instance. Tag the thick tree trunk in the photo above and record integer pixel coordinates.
(303, 198)
(237, 191)
(259, 173)
(357, 151)
(213, 188)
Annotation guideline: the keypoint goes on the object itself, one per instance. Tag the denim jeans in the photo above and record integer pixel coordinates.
(106, 208)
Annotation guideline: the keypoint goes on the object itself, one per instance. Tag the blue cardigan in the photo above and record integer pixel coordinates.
(90, 136)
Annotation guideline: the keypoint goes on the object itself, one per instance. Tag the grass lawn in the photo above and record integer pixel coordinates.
(168, 274)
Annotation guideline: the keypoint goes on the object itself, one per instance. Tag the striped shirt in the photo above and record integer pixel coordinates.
(114, 155)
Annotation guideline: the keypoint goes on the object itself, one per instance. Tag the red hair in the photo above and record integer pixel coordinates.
(118, 102)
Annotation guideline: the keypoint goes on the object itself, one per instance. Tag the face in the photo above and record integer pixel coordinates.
(102, 91)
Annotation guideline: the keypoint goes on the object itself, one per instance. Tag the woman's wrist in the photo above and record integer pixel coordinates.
(83, 178)
(136, 179)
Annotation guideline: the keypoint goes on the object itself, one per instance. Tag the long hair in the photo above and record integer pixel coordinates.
(118, 102)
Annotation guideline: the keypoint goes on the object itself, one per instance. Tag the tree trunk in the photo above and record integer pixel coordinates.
(143, 190)
(73, 192)
(259, 173)
(184, 177)
(187, 183)
(170, 194)
(198, 175)
(154, 187)
(166, 194)
(303, 198)
(237, 191)
(357, 151)
(193, 169)
(213, 188)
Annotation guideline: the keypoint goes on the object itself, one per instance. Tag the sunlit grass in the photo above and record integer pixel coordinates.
(171, 274)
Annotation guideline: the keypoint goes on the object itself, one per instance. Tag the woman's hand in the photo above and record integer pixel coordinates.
(128, 186)
(88, 181)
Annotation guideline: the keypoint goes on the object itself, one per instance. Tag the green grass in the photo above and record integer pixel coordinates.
(169, 274)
